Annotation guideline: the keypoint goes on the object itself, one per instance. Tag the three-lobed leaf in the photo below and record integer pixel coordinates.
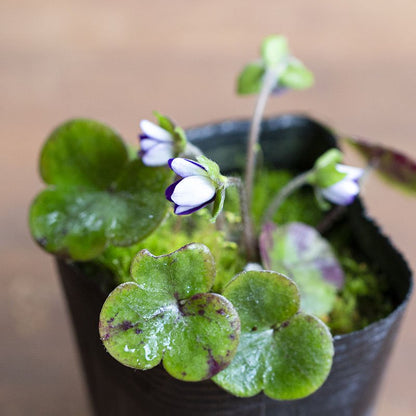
(301, 253)
(283, 352)
(166, 315)
(96, 196)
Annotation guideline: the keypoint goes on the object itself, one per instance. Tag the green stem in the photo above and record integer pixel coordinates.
(290, 187)
(269, 81)
(248, 231)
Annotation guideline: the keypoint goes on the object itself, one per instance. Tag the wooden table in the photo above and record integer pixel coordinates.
(119, 61)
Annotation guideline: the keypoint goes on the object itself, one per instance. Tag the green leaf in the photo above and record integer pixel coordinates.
(325, 173)
(212, 168)
(283, 352)
(296, 76)
(166, 315)
(165, 122)
(180, 139)
(330, 158)
(177, 132)
(83, 153)
(395, 167)
(213, 172)
(96, 197)
(274, 50)
(251, 78)
(301, 253)
(218, 203)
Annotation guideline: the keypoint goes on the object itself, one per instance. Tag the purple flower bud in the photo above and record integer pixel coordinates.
(194, 191)
(156, 144)
(344, 191)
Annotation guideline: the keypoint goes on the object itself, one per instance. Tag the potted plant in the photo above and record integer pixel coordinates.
(235, 302)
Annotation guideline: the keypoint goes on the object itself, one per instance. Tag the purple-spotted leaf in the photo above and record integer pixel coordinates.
(166, 314)
(96, 196)
(300, 252)
(283, 352)
(395, 167)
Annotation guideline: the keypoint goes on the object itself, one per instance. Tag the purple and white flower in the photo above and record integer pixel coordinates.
(344, 191)
(156, 144)
(194, 191)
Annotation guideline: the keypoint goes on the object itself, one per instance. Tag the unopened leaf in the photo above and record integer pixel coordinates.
(274, 49)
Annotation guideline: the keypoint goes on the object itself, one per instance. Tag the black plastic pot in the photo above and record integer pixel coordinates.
(360, 357)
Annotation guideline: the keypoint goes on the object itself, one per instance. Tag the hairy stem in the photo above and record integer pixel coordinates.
(248, 232)
(290, 187)
(269, 82)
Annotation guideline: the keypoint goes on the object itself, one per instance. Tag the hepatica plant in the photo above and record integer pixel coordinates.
(253, 323)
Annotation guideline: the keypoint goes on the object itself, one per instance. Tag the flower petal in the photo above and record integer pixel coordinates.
(186, 167)
(147, 143)
(352, 172)
(170, 189)
(185, 210)
(158, 155)
(341, 193)
(193, 191)
(155, 131)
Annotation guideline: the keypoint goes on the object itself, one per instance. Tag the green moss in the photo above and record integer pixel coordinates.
(174, 233)
(363, 299)
(300, 206)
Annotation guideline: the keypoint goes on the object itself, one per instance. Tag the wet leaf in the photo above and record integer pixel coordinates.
(300, 252)
(83, 153)
(283, 352)
(166, 315)
(395, 167)
(96, 196)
